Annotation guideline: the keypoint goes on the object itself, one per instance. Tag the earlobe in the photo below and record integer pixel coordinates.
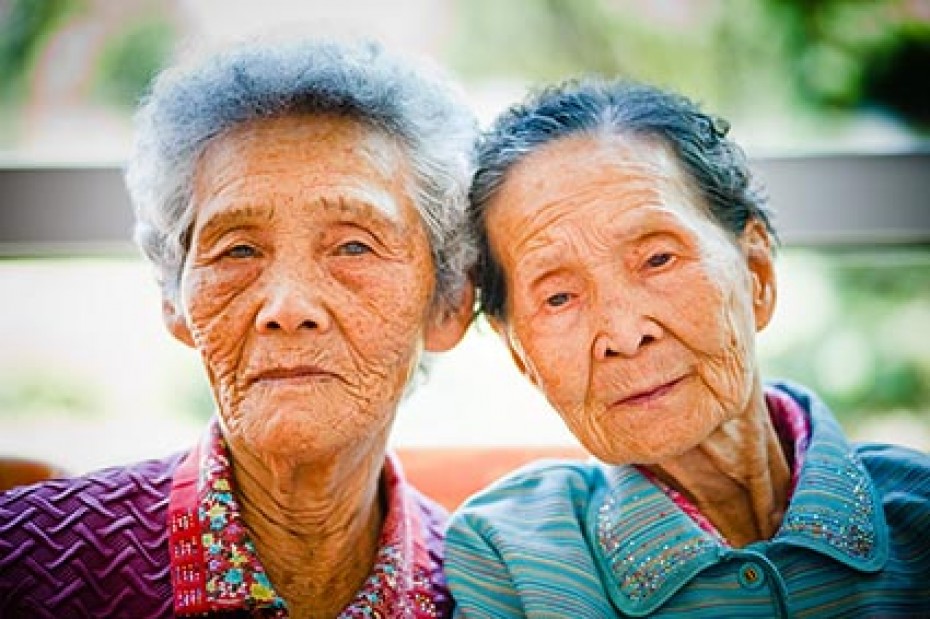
(176, 323)
(444, 333)
(757, 247)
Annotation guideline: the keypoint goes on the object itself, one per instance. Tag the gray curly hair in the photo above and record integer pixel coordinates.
(188, 106)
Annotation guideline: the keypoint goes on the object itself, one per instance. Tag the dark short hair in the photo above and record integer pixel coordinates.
(716, 165)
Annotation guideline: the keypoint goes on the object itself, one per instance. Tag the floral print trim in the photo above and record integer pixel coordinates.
(235, 577)
(215, 566)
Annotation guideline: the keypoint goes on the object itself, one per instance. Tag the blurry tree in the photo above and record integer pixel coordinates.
(737, 57)
(549, 40)
(25, 27)
(132, 57)
(853, 53)
(112, 51)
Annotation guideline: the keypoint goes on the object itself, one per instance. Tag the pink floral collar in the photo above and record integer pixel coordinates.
(214, 566)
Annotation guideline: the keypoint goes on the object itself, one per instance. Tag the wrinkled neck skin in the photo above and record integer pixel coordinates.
(315, 524)
(738, 477)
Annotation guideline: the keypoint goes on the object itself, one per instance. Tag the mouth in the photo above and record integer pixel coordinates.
(296, 374)
(648, 396)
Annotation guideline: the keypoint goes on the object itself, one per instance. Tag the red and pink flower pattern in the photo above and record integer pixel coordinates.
(214, 565)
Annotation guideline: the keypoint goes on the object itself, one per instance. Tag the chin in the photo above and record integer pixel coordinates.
(279, 432)
(644, 453)
(298, 445)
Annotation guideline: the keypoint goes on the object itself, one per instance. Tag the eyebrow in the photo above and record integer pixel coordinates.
(237, 217)
(363, 200)
(356, 202)
(381, 207)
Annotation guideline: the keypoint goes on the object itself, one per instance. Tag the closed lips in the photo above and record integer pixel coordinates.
(294, 373)
(650, 393)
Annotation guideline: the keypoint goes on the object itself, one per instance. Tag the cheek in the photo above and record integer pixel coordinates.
(558, 362)
(219, 320)
(723, 337)
(384, 321)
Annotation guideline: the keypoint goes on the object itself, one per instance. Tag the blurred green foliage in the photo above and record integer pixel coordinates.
(870, 356)
(548, 40)
(736, 57)
(132, 58)
(128, 57)
(849, 53)
(46, 393)
(25, 27)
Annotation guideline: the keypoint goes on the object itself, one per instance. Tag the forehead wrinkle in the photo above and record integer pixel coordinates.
(621, 177)
(362, 203)
(377, 166)
(557, 230)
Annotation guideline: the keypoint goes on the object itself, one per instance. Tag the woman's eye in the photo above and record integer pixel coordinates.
(241, 251)
(559, 299)
(658, 260)
(353, 248)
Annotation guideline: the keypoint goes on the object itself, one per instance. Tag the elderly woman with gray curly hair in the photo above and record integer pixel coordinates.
(303, 205)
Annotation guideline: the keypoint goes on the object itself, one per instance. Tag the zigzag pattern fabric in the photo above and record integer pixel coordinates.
(93, 546)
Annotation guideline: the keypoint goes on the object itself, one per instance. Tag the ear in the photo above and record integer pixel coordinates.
(449, 329)
(756, 244)
(176, 323)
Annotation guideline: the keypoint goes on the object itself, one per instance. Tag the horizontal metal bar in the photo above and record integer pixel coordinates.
(843, 199)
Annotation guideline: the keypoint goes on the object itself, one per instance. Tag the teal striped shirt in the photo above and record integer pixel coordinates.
(579, 540)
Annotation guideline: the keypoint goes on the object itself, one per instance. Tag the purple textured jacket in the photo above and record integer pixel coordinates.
(98, 545)
(93, 546)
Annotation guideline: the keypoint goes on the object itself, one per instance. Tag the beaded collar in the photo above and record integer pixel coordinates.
(650, 547)
(214, 566)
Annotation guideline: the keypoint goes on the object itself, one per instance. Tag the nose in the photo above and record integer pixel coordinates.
(293, 304)
(623, 330)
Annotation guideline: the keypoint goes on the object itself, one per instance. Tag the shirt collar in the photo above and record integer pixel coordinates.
(214, 565)
(836, 509)
(649, 548)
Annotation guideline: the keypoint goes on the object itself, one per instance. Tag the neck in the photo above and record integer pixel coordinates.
(315, 525)
(739, 477)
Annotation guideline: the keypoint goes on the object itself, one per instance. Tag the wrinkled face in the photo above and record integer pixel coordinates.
(627, 306)
(308, 283)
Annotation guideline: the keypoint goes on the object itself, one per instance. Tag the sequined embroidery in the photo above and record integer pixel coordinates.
(848, 527)
(653, 538)
(386, 594)
(644, 566)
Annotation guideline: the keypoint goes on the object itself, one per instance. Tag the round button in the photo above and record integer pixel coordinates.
(751, 576)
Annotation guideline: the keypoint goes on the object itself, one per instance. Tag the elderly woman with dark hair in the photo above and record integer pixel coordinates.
(626, 260)
(303, 205)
